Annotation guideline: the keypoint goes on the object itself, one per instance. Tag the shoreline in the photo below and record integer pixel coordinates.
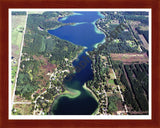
(79, 53)
(89, 90)
(103, 41)
(94, 96)
(75, 93)
(70, 93)
(99, 31)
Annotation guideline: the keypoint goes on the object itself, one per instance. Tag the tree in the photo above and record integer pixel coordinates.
(112, 100)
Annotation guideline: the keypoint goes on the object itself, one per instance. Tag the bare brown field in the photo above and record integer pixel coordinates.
(128, 58)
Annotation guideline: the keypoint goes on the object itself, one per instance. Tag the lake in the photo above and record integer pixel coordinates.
(84, 33)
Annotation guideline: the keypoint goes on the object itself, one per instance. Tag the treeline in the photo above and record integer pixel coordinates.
(111, 15)
(135, 13)
(141, 73)
(128, 96)
(140, 18)
(100, 69)
(19, 13)
(113, 47)
(47, 20)
(101, 72)
(98, 84)
(121, 47)
(41, 20)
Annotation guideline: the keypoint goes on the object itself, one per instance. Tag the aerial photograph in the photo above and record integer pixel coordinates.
(79, 62)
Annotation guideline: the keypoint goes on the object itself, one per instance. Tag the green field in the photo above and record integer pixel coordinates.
(14, 70)
(111, 81)
(18, 23)
(17, 37)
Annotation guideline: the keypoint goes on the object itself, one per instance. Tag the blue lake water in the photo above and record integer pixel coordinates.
(84, 33)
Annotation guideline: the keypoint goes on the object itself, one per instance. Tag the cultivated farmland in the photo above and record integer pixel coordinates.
(128, 58)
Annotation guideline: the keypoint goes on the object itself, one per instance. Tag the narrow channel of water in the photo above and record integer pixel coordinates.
(82, 33)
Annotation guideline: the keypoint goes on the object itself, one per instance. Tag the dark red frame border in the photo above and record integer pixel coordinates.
(4, 38)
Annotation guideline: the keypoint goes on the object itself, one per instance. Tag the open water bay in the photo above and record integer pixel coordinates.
(84, 33)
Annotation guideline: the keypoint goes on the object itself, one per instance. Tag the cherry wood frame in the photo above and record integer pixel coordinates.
(4, 39)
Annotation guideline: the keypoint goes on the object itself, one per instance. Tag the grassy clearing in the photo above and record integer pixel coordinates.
(31, 76)
(111, 81)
